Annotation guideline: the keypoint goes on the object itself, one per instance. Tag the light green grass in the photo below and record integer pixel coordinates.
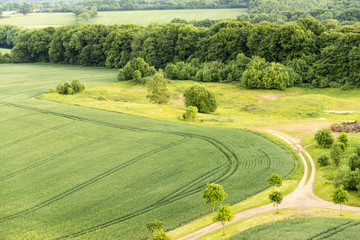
(260, 221)
(237, 107)
(95, 174)
(5, 50)
(37, 20)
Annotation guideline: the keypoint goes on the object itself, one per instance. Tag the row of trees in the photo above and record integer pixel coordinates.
(318, 55)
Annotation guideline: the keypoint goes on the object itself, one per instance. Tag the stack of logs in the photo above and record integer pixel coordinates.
(346, 127)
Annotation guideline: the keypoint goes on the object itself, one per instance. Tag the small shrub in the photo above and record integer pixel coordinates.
(324, 138)
(190, 113)
(323, 159)
(77, 86)
(101, 98)
(51, 90)
(341, 145)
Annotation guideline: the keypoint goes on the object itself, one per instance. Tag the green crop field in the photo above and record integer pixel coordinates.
(75, 172)
(36, 20)
(304, 228)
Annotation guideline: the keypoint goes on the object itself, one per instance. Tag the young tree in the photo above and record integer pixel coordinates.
(198, 96)
(213, 194)
(224, 215)
(276, 198)
(275, 180)
(157, 89)
(160, 236)
(335, 154)
(324, 138)
(340, 196)
(190, 113)
(343, 138)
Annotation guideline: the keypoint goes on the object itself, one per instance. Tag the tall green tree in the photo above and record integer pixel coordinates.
(340, 196)
(213, 194)
(324, 138)
(157, 89)
(276, 198)
(224, 215)
(275, 180)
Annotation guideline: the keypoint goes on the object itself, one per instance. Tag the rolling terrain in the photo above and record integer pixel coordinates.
(76, 172)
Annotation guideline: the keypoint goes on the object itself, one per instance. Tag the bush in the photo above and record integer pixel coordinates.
(354, 162)
(198, 96)
(51, 90)
(323, 159)
(190, 113)
(324, 138)
(72, 87)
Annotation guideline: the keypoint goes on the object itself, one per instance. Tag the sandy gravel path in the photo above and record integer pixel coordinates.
(302, 196)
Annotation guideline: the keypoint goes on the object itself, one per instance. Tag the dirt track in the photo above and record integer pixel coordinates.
(302, 196)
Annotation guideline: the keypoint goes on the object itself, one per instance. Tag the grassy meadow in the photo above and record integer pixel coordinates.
(70, 171)
(5, 50)
(38, 20)
(303, 228)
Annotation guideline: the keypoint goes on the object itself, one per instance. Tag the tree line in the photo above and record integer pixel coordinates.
(304, 53)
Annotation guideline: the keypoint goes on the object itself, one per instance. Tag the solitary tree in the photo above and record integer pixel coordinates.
(340, 196)
(158, 92)
(276, 198)
(324, 138)
(224, 215)
(323, 159)
(275, 180)
(213, 194)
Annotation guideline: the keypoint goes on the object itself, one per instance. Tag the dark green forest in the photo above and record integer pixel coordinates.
(303, 53)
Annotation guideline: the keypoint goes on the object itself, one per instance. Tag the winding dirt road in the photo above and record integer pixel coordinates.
(302, 196)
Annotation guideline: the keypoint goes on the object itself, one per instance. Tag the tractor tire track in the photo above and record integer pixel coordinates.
(50, 158)
(332, 231)
(228, 170)
(89, 182)
(35, 135)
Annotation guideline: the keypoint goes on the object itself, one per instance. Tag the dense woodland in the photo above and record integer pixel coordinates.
(303, 53)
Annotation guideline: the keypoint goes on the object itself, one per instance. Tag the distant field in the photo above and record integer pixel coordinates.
(38, 20)
(304, 228)
(70, 171)
(5, 50)
(35, 20)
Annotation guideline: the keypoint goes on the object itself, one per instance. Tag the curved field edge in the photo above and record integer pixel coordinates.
(304, 228)
(261, 198)
(232, 230)
(18, 103)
